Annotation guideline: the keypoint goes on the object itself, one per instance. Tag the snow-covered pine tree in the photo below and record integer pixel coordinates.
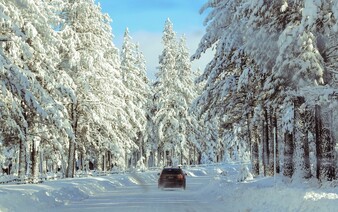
(37, 62)
(137, 94)
(199, 130)
(230, 74)
(186, 93)
(310, 36)
(172, 99)
(146, 93)
(211, 144)
(283, 43)
(166, 115)
(97, 109)
(151, 137)
(174, 93)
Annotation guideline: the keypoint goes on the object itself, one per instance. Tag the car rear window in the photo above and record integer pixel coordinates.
(171, 171)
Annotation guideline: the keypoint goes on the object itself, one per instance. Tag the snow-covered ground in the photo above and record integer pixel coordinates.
(209, 188)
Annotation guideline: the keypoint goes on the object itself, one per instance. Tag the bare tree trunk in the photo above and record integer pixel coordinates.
(22, 160)
(195, 158)
(159, 157)
(99, 161)
(189, 155)
(265, 142)
(255, 152)
(330, 149)
(104, 160)
(288, 154)
(35, 162)
(72, 147)
(318, 133)
(307, 164)
(271, 126)
(141, 153)
(306, 146)
(277, 143)
(71, 160)
(254, 148)
(302, 157)
(43, 163)
(325, 147)
(81, 161)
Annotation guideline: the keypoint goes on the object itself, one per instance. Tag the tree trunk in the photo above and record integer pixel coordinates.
(306, 146)
(271, 126)
(71, 159)
(72, 143)
(255, 152)
(22, 160)
(141, 156)
(109, 161)
(104, 161)
(307, 164)
(302, 156)
(99, 161)
(318, 133)
(288, 155)
(265, 144)
(43, 164)
(195, 157)
(80, 161)
(277, 144)
(35, 163)
(324, 147)
(199, 157)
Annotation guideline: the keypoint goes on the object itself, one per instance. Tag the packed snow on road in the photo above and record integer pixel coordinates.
(221, 187)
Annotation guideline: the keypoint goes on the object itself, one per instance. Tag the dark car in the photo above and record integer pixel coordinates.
(171, 178)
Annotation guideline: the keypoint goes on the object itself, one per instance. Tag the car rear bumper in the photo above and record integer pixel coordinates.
(168, 184)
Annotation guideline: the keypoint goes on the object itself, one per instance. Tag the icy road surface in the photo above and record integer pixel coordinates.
(143, 195)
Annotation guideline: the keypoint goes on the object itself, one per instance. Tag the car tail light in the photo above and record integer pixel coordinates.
(180, 177)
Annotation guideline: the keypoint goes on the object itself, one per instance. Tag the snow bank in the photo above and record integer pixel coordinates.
(51, 194)
(221, 188)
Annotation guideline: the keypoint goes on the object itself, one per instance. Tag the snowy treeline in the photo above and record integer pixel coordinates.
(275, 67)
(69, 100)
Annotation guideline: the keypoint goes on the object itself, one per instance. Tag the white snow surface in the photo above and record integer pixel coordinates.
(209, 188)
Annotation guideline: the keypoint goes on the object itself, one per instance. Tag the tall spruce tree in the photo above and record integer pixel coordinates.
(97, 106)
(137, 94)
(173, 96)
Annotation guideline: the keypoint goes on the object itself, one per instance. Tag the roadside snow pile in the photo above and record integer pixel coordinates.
(7, 178)
(244, 174)
(235, 187)
(196, 172)
(49, 194)
(239, 191)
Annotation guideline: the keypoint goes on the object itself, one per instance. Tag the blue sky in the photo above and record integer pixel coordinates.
(145, 20)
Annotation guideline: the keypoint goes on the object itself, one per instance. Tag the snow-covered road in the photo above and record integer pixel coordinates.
(209, 189)
(145, 196)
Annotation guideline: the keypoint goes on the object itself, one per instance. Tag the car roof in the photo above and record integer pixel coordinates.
(173, 168)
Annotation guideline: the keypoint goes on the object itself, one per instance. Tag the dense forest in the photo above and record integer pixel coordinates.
(71, 102)
(273, 82)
